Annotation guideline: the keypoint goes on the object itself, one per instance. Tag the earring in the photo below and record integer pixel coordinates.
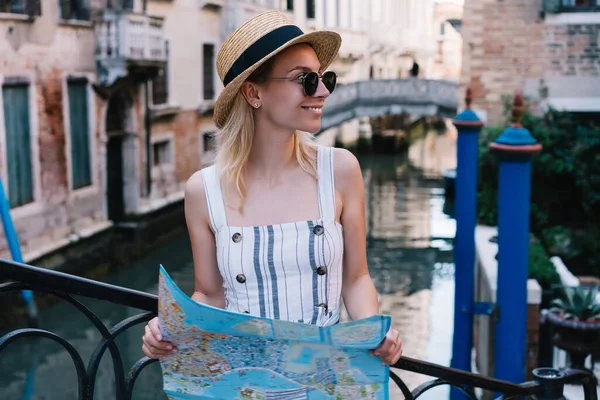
(256, 105)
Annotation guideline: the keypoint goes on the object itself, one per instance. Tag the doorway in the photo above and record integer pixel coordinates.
(117, 117)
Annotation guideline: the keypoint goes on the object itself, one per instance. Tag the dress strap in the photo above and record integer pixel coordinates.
(326, 182)
(214, 198)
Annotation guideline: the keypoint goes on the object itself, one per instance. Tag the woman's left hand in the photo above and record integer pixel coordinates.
(391, 348)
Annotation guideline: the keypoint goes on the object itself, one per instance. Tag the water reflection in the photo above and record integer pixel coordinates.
(409, 250)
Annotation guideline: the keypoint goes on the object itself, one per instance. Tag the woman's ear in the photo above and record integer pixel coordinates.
(250, 92)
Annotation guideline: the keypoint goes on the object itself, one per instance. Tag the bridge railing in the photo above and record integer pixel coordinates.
(548, 383)
(390, 96)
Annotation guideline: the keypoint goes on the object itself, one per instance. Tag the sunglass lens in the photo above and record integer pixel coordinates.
(329, 80)
(311, 82)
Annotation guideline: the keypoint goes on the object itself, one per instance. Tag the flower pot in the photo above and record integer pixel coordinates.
(578, 338)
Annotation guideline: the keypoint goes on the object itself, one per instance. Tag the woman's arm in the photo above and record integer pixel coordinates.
(207, 278)
(358, 291)
(208, 281)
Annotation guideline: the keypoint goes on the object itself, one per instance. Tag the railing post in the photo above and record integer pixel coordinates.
(515, 148)
(469, 126)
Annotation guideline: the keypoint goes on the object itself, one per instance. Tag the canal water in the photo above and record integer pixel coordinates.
(409, 249)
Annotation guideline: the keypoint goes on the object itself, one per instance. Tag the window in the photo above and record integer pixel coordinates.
(443, 28)
(81, 168)
(290, 5)
(75, 9)
(440, 52)
(161, 153)
(208, 54)
(15, 98)
(310, 9)
(209, 143)
(126, 5)
(580, 5)
(160, 83)
(29, 7)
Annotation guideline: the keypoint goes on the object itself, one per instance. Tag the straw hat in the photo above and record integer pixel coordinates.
(256, 41)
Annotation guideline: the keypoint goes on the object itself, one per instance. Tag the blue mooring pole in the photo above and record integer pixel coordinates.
(515, 148)
(15, 251)
(465, 209)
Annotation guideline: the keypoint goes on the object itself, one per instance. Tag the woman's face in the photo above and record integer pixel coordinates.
(283, 102)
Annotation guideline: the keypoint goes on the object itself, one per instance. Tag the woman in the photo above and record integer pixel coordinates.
(277, 225)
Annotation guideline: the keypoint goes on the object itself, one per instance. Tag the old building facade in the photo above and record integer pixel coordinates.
(107, 104)
(548, 49)
(53, 130)
(447, 19)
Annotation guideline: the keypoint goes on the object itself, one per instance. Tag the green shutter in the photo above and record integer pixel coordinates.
(18, 144)
(80, 133)
(551, 6)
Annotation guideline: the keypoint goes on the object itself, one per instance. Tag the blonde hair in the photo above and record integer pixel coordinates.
(235, 143)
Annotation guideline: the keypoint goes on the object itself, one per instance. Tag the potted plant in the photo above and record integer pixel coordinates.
(576, 321)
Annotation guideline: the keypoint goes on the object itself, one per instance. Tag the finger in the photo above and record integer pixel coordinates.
(154, 328)
(152, 341)
(156, 352)
(156, 346)
(395, 354)
(147, 351)
(386, 346)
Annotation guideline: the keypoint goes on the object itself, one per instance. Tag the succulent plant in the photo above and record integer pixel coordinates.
(578, 303)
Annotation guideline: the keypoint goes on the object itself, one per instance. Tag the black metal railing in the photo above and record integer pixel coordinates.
(548, 383)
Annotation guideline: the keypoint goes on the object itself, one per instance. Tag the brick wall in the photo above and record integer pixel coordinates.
(506, 43)
(573, 50)
(183, 130)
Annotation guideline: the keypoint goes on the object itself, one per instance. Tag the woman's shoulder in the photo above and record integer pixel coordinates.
(345, 163)
(194, 187)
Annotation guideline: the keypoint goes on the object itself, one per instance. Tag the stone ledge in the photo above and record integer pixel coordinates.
(71, 239)
(485, 257)
(155, 204)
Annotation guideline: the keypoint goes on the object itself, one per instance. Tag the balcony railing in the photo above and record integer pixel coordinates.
(126, 39)
(548, 383)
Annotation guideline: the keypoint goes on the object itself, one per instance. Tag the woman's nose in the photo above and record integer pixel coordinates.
(321, 90)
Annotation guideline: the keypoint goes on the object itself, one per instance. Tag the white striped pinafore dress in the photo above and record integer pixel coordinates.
(290, 271)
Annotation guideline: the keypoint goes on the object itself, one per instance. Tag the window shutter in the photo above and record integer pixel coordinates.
(66, 11)
(160, 84)
(209, 74)
(18, 144)
(80, 133)
(33, 7)
(551, 6)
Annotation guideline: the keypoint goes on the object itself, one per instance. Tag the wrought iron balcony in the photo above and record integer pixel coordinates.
(127, 43)
(548, 383)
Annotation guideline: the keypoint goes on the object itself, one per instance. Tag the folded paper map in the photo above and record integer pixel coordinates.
(228, 355)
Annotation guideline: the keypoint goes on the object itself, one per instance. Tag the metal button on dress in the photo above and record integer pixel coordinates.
(241, 278)
(322, 270)
(318, 230)
(324, 306)
(237, 237)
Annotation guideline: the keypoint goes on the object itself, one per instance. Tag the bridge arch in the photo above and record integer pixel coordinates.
(375, 98)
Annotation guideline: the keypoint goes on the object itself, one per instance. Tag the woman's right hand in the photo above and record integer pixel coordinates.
(153, 345)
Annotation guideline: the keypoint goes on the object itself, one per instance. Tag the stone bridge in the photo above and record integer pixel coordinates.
(375, 98)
